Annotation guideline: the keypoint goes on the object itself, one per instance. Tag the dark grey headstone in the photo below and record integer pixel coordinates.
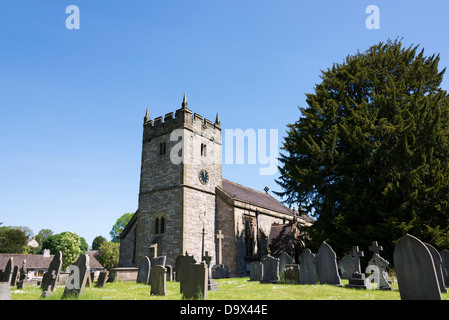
(158, 281)
(307, 270)
(76, 282)
(181, 262)
(159, 261)
(102, 278)
(270, 269)
(445, 265)
(327, 265)
(15, 276)
(291, 274)
(143, 273)
(415, 270)
(220, 271)
(347, 267)
(437, 264)
(284, 259)
(7, 271)
(50, 278)
(195, 282)
(256, 271)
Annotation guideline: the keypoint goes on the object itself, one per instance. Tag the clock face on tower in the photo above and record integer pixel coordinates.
(203, 176)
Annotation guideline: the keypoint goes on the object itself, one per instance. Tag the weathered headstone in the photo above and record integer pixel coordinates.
(327, 265)
(212, 285)
(14, 276)
(180, 263)
(194, 282)
(270, 269)
(7, 271)
(5, 291)
(437, 264)
(256, 271)
(358, 279)
(76, 282)
(22, 275)
(143, 273)
(377, 267)
(284, 259)
(307, 267)
(445, 265)
(50, 278)
(346, 266)
(159, 261)
(291, 274)
(158, 281)
(220, 271)
(169, 272)
(415, 270)
(102, 278)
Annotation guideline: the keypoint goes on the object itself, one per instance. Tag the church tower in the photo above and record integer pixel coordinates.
(180, 169)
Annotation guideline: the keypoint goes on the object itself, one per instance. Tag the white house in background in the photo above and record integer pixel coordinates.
(32, 243)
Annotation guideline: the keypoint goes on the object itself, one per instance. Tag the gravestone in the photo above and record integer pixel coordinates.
(437, 264)
(284, 259)
(358, 279)
(76, 282)
(159, 261)
(291, 274)
(256, 271)
(15, 276)
(102, 278)
(212, 285)
(50, 278)
(194, 281)
(22, 275)
(143, 272)
(181, 262)
(346, 266)
(377, 267)
(7, 271)
(158, 281)
(220, 271)
(169, 272)
(5, 291)
(415, 271)
(327, 265)
(445, 265)
(270, 269)
(307, 267)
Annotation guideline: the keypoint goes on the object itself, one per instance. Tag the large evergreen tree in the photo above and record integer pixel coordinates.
(369, 156)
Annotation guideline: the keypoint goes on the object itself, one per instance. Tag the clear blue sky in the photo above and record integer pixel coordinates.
(72, 101)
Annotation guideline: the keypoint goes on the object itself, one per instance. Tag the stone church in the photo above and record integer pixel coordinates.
(184, 199)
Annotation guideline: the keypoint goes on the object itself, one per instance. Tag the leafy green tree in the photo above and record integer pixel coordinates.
(369, 156)
(118, 227)
(97, 242)
(83, 245)
(13, 240)
(108, 254)
(70, 247)
(52, 243)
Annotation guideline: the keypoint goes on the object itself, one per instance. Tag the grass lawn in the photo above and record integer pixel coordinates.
(230, 289)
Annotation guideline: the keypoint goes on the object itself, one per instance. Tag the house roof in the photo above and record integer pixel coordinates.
(38, 261)
(252, 196)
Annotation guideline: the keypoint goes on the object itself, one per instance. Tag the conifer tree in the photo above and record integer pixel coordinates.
(369, 156)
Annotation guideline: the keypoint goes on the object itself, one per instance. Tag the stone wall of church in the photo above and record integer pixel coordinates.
(165, 204)
(127, 243)
(225, 223)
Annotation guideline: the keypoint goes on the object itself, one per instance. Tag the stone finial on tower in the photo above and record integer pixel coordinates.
(147, 117)
(217, 119)
(185, 105)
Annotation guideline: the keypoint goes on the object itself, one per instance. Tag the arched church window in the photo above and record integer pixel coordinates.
(162, 230)
(156, 226)
(203, 150)
(162, 147)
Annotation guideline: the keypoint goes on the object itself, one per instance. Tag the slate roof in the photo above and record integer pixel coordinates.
(252, 196)
(37, 261)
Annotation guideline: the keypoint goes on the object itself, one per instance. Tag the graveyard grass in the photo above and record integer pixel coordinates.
(230, 289)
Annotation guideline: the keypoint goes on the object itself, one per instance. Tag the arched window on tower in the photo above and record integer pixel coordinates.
(203, 150)
(162, 230)
(156, 226)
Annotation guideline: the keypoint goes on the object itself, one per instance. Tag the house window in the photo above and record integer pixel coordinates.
(162, 148)
(203, 150)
